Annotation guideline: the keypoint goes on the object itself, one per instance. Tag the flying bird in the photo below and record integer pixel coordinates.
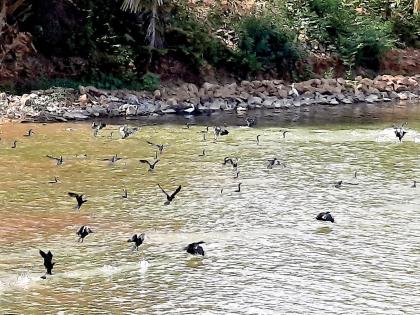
(125, 131)
(137, 240)
(48, 264)
(59, 160)
(83, 232)
(195, 248)
(325, 216)
(79, 199)
(169, 198)
(159, 146)
(151, 166)
(233, 162)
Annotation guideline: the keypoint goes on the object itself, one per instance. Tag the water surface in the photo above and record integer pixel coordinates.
(265, 252)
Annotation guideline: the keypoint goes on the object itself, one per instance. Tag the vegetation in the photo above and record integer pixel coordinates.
(132, 43)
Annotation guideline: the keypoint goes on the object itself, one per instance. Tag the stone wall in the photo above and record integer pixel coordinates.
(60, 104)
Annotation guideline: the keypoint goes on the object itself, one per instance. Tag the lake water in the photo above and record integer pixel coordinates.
(265, 252)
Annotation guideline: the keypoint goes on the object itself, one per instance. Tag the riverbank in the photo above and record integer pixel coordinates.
(60, 104)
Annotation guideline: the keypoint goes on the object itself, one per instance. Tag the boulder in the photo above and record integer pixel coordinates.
(131, 110)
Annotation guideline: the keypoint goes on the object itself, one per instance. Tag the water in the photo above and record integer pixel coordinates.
(265, 252)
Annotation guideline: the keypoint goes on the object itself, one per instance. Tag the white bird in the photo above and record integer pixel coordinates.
(293, 91)
(190, 110)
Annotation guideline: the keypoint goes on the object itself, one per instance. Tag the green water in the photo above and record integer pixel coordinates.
(265, 252)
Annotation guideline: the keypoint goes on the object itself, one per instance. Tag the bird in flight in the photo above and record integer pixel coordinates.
(151, 166)
(137, 240)
(59, 160)
(83, 232)
(169, 198)
(48, 264)
(79, 199)
(195, 248)
(159, 146)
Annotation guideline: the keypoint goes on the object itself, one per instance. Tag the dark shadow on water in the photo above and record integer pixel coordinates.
(300, 116)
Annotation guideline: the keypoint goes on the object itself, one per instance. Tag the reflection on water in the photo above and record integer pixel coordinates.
(265, 252)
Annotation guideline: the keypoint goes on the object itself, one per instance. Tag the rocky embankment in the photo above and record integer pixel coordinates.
(59, 104)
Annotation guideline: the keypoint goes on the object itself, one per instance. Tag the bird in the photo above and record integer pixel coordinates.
(400, 131)
(98, 126)
(137, 240)
(79, 198)
(14, 144)
(159, 146)
(151, 166)
(48, 264)
(414, 184)
(284, 133)
(275, 161)
(111, 135)
(237, 175)
(169, 198)
(55, 181)
(239, 188)
(113, 159)
(204, 137)
(233, 162)
(258, 139)
(203, 154)
(195, 248)
(29, 133)
(325, 216)
(125, 196)
(125, 131)
(355, 174)
(338, 184)
(190, 110)
(218, 131)
(59, 160)
(293, 91)
(83, 232)
(250, 122)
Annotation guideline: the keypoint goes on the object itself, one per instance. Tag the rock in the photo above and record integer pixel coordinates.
(372, 98)
(347, 100)
(157, 94)
(83, 99)
(333, 101)
(77, 115)
(3, 96)
(403, 96)
(131, 110)
(255, 100)
(169, 111)
(132, 99)
(27, 99)
(96, 110)
(393, 94)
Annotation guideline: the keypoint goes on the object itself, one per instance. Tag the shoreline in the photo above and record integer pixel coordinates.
(243, 98)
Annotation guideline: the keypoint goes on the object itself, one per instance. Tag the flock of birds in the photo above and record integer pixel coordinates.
(138, 239)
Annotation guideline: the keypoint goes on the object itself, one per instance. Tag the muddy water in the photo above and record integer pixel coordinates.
(265, 252)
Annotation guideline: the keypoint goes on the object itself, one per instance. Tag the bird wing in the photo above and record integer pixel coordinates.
(176, 191)
(49, 255)
(145, 161)
(163, 191)
(141, 237)
(42, 254)
(72, 194)
(157, 161)
(53, 158)
(151, 143)
(80, 230)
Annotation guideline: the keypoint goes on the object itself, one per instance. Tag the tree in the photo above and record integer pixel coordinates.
(136, 6)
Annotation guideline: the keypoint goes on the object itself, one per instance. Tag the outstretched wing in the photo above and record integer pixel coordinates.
(176, 191)
(53, 158)
(155, 163)
(164, 191)
(72, 194)
(80, 230)
(141, 237)
(151, 143)
(49, 255)
(145, 161)
(42, 254)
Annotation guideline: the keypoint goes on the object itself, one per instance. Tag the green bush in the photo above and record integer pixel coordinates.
(264, 45)
(407, 30)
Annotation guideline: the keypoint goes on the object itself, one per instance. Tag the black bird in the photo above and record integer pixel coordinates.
(400, 133)
(59, 160)
(233, 162)
(169, 198)
(83, 232)
(239, 188)
(137, 240)
(325, 216)
(338, 184)
(48, 264)
(151, 166)
(113, 159)
(55, 181)
(126, 132)
(273, 162)
(195, 248)
(355, 174)
(414, 184)
(79, 199)
(250, 122)
(98, 126)
(284, 133)
(14, 144)
(159, 146)
(30, 132)
(204, 137)
(258, 139)
(218, 131)
(110, 135)
(125, 194)
(203, 154)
